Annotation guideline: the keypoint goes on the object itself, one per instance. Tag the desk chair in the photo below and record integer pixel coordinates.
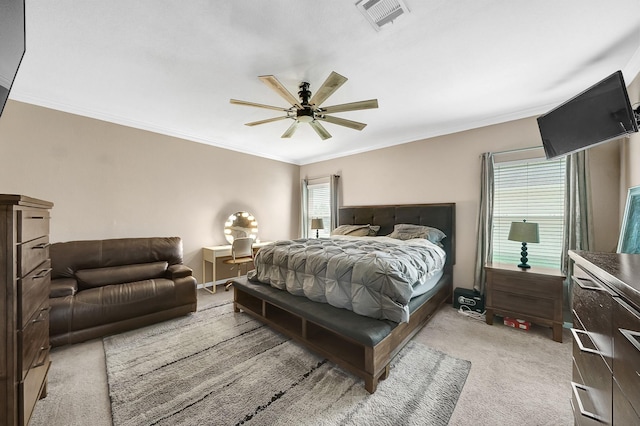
(241, 253)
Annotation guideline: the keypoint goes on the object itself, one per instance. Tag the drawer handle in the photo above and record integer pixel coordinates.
(575, 386)
(35, 217)
(43, 350)
(632, 336)
(581, 346)
(41, 246)
(42, 274)
(581, 281)
(41, 317)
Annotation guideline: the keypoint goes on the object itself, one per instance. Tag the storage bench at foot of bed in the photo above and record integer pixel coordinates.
(361, 345)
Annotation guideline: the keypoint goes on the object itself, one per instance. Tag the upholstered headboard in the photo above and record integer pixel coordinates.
(441, 216)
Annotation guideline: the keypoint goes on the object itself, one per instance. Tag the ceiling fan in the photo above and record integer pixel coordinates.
(308, 109)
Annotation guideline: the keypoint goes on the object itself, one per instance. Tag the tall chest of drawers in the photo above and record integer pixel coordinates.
(606, 331)
(25, 277)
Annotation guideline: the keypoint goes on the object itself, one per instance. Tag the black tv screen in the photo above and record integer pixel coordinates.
(12, 45)
(599, 114)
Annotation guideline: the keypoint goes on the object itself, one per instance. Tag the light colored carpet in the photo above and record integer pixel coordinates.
(221, 367)
(517, 377)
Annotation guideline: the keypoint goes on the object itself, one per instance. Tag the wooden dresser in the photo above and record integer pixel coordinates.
(606, 347)
(25, 276)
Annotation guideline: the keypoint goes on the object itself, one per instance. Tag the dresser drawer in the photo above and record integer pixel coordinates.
(623, 412)
(34, 341)
(581, 403)
(592, 305)
(33, 291)
(525, 305)
(626, 362)
(526, 283)
(32, 224)
(596, 386)
(31, 254)
(30, 388)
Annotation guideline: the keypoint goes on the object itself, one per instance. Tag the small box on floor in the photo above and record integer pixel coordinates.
(517, 323)
(467, 298)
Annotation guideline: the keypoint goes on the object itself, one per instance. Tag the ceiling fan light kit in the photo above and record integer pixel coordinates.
(308, 109)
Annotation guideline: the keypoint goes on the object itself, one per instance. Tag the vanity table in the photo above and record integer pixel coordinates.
(238, 225)
(210, 255)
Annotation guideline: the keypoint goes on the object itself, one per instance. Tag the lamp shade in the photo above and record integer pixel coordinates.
(524, 232)
(317, 223)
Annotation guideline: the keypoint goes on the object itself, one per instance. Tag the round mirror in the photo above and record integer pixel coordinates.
(240, 224)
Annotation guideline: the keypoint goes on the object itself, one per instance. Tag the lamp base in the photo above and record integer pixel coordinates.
(523, 257)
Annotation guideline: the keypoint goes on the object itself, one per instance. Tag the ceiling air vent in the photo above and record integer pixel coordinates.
(381, 12)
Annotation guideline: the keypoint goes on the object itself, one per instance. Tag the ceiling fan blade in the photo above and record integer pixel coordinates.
(273, 83)
(253, 104)
(291, 130)
(352, 106)
(330, 85)
(320, 130)
(268, 120)
(342, 122)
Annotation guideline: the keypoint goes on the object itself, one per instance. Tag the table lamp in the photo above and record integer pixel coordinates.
(525, 233)
(317, 224)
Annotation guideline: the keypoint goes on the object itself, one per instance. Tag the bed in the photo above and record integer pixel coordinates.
(360, 344)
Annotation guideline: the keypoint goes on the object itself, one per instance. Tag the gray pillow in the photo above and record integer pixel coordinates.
(406, 231)
(354, 230)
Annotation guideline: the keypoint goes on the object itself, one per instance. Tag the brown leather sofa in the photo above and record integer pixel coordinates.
(103, 287)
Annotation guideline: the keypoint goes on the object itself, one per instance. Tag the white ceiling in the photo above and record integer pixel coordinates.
(171, 66)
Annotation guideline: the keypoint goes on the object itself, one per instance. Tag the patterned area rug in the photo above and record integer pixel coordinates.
(217, 367)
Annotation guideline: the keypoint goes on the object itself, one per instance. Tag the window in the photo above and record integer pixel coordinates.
(319, 207)
(534, 190)
(319, 201)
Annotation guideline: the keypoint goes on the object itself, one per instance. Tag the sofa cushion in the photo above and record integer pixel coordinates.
(63, 287)
(89, 278)
(69, 257)
(103, 305)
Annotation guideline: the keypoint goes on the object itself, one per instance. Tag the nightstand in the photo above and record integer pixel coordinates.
(533, 294)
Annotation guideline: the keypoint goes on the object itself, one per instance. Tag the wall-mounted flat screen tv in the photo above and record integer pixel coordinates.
(599, 114)
(12, 45)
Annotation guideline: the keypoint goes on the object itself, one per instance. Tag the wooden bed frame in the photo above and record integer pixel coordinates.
(368, 361)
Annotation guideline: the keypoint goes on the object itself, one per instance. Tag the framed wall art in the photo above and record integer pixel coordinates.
(629, 241)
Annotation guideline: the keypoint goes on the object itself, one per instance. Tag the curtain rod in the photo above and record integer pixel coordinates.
(321, 177)
(531, 148)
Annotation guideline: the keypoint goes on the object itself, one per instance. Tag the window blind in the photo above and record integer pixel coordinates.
(534, 190)
(319, 206)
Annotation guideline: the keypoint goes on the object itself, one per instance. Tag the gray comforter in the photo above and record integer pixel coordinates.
(372, 276)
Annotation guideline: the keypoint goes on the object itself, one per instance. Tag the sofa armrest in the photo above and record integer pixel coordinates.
(178, 271)
(62, 287)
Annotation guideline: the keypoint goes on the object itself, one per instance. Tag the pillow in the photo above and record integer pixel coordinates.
(98, 277)
(405, 231)
(354, 230)
(373, 230)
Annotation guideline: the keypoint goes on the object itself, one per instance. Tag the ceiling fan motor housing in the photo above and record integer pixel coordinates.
(305, 115)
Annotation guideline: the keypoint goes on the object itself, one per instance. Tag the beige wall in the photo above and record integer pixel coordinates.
(604, 171)
(447, 169)
(111, 181)
(630, 159)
